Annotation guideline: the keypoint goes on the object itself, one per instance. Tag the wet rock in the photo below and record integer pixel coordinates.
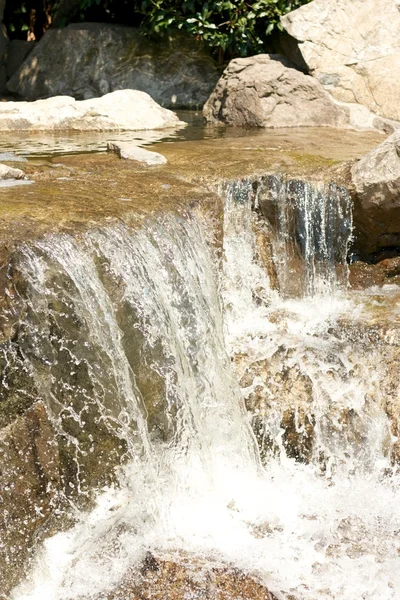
(91, 59)
(352, 49)
(196, 578)
(10, 173)
(29, 484)
(376, 182)
(276, 389)
(268, 91)
(127, 110)
(129, 151)
(364, 275)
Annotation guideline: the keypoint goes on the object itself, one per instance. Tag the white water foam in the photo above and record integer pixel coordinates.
(313, 532)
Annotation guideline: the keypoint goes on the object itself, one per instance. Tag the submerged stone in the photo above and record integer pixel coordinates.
(129, 151)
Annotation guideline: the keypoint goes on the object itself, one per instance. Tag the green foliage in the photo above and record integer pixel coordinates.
(238, 28)
(229, 28)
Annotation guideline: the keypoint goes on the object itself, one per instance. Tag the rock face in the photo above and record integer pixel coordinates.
(89, 60)
(29, 483)
(352, 48)
(129, 151)
(118, 111)
(376, 182)
(266, 91)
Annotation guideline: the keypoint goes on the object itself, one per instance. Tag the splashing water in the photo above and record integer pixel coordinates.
(321, 518)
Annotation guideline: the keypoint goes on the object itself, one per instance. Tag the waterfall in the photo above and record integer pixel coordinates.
(137, 339)
(312, 223)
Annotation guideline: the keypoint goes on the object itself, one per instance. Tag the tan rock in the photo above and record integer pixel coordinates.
(266, 91)
(376, 182)
(352, 48)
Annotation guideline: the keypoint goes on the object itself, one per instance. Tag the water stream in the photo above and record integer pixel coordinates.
(165, 345)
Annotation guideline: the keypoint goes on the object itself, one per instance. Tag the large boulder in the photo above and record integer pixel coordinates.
(376, 184)
(126, 110)
(268, 91)
(352, 48)
(91, 59)
(4, 42)
(18, 50)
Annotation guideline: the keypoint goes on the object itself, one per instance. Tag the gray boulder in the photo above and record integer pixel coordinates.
(376, 184)
(352, 48)
(18, 50)
(4, 42)
(91, 59)
(266, 91)
(130, 151)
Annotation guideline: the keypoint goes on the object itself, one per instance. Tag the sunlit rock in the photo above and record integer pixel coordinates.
(267, 90)
(10, 173)
(352, 48)
(124, 110)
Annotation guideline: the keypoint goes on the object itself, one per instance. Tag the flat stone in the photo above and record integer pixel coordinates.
(352, 48)
(129, 151)
(124, 110)
(10, 173)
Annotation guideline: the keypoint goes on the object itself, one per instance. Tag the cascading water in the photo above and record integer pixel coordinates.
(135, 319)
(312, 224)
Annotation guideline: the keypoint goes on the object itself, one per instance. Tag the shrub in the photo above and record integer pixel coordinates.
(232, 28)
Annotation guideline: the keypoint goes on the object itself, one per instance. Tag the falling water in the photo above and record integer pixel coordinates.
(129, 326)
(312, 225)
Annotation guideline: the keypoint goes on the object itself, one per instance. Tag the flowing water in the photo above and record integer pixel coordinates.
(150, 332)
